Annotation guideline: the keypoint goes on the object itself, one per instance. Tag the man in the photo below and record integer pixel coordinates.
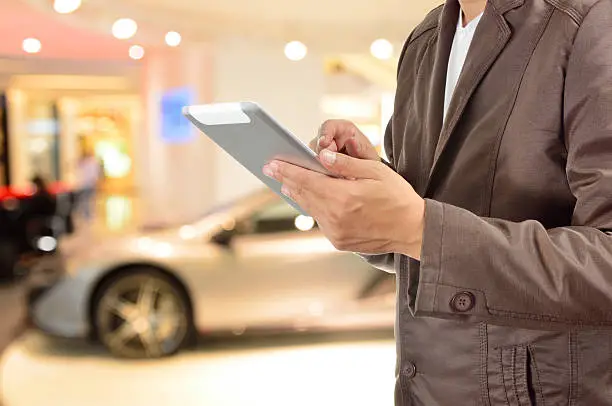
(496, 216)
(89, 174)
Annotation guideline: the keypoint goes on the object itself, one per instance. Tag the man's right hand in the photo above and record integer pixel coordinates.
(343, 136)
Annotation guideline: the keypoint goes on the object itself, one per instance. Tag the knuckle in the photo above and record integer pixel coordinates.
(331, 126)
(324, 128)
(347, 198)
(353, 195)
(281, 170)
(336, 218)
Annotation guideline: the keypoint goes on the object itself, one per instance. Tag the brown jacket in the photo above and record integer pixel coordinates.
(511, 303)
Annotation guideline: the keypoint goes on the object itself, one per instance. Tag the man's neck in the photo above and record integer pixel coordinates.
(472, 9)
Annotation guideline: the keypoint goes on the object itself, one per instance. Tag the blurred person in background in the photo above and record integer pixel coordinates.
(495, 210)
(35, 219)
(89, 173)
(42, 202)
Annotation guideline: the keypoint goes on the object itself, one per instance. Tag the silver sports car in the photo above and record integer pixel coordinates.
(255, 264)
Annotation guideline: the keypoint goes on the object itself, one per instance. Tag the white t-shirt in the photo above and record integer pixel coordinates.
(461, 45)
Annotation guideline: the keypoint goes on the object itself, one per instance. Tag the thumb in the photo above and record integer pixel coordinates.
(349, 167)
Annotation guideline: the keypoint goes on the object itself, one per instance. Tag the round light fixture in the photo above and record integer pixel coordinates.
(381, 49)
(46, 244)
(304, 223)
(66, 6)
(137, 52)
(31, 45)
(124, 28)
(295, 51)
(173, 39)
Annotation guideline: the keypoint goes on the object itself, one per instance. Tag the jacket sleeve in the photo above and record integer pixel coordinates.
(504, 272)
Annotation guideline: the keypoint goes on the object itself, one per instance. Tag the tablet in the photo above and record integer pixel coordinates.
(253, 138)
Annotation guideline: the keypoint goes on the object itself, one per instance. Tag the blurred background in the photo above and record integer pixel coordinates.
(140, 264)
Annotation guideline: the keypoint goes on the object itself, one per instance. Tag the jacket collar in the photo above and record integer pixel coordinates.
(503, 6)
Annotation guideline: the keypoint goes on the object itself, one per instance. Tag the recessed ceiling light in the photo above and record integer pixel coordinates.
(295, 51)
(31, 45)
(173, 39)
(136, 52)
(124, 28)
(66, 6)
(381, 49)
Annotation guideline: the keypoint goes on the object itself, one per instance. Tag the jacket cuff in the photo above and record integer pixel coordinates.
(432, 297)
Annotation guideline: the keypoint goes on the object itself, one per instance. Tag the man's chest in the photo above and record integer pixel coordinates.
(501, 149)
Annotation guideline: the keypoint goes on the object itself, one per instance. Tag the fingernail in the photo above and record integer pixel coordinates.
(321, 138)
(285, 191)
(270, 169)
(267, 171)
(328, 156)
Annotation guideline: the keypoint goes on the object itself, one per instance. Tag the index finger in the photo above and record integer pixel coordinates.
(338, 131)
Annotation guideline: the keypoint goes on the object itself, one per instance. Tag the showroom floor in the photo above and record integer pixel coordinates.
(39, 370)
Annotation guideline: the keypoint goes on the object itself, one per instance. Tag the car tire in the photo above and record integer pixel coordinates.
(142, 313)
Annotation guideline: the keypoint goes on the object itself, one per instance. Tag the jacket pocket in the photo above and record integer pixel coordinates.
(512, 377)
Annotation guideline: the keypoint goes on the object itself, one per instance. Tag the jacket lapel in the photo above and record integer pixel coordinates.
(448, 26)
(491, 37)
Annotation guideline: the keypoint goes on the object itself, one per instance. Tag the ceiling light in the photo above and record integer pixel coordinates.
(66, 6)
(173, 39)
(31, 45)
(136, 52)
(124, 28)
(295, 51)
(381, 49)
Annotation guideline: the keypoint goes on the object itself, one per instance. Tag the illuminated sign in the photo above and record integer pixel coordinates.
(175, 128)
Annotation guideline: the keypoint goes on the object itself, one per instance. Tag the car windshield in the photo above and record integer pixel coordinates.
(251, 200)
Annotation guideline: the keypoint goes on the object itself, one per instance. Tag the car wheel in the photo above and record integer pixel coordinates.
(142, 314)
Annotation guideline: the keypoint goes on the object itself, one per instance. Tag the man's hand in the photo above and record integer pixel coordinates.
(344, 137)
(372, 210)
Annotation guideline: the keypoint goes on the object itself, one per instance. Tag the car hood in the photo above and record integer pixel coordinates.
(150, 243)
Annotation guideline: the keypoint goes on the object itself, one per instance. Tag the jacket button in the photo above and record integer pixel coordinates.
(463, 302)
(409, 370)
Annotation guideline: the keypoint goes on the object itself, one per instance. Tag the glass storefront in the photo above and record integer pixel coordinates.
(51, 131)
(107, 132)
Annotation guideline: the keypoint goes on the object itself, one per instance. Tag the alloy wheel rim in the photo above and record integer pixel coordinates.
(147, 317)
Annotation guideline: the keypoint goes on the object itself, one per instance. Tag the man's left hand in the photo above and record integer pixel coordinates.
(368, 209)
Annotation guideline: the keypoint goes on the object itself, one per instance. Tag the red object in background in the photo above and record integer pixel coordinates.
(23, 193)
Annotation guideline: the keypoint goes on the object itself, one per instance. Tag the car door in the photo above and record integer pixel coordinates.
(282, 270)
